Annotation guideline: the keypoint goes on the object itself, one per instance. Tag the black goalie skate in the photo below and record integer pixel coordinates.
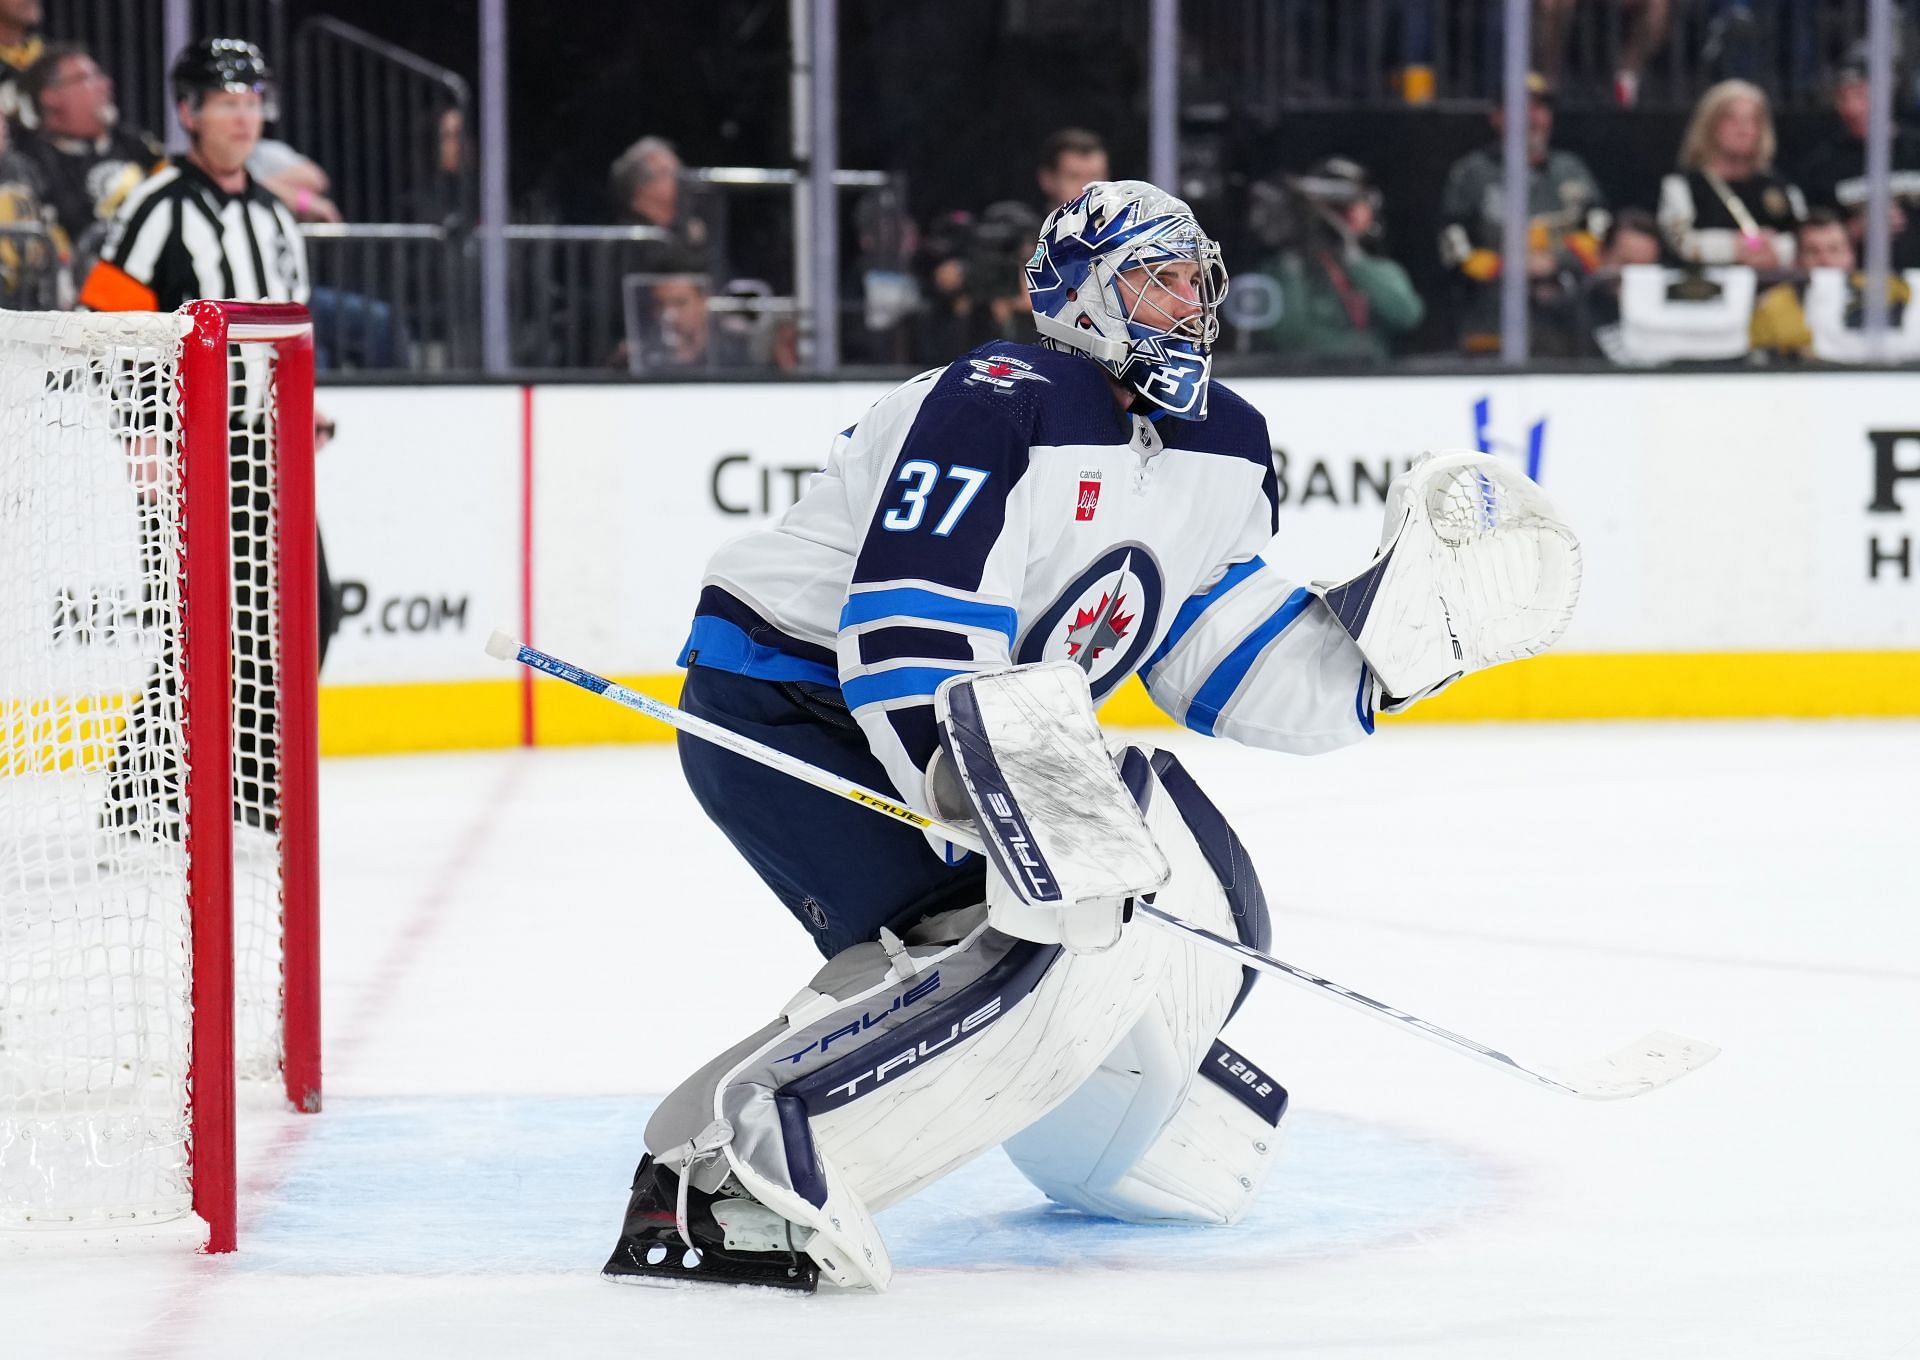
(651, 1248)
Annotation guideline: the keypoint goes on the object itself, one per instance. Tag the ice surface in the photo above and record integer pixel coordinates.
(523, 950)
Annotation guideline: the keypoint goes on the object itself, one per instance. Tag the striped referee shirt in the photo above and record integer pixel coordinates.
(179, 236)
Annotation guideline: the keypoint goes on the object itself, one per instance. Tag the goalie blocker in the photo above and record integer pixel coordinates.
(905, 1058)
(1023, 761)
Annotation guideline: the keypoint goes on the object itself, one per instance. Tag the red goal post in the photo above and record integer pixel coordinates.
(158, 756)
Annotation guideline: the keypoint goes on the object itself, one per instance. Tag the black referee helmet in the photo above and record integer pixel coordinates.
(223, 64)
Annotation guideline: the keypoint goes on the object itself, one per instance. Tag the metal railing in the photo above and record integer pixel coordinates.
(371, 114)
(128, 38)
(564, 292)
(407, 297)
(1262, 57)
(393, 296)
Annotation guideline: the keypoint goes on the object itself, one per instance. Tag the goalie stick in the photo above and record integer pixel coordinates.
(1651, 1061)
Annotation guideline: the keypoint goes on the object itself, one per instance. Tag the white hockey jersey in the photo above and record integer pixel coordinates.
(1004, 508)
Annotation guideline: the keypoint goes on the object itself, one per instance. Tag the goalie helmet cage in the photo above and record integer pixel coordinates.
(158, 755)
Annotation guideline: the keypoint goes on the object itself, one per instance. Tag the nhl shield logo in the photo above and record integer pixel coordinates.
(1103, 620)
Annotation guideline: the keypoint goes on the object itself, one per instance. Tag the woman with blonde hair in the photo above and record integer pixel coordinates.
(1726, 204)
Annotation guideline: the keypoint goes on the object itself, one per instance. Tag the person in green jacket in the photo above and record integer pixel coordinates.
(1339, 300)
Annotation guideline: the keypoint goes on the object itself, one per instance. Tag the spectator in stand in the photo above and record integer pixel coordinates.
(676, 325)
(1632, 239)
(645, 182)
(1070, 160)
(447, 198)
(1726, 204)
(680, 315)
(1566, 216)
(1340, 300)
(1643, 33)
(33, 248)
(293, 179)
(20, 48)
(88, 159)
(1835, 173)
(1779, 327)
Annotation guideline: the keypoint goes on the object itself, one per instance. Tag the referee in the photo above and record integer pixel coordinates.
(202, 228)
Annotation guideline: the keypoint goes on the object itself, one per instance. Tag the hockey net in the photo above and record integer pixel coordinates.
(157, 754)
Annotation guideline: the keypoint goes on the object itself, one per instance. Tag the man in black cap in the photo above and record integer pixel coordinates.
(1566, 215)
(1341, 298)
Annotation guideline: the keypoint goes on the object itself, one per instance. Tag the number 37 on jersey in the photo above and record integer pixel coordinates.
(922, 482)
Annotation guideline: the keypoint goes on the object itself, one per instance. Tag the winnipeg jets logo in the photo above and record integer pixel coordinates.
(1095, 630)
(1103, 620)
(1002, 372)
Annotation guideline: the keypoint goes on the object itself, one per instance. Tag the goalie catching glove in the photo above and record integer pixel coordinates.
(1474, 568)
(1021, 749)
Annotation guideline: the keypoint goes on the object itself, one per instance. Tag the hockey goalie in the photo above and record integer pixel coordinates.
(986, 555)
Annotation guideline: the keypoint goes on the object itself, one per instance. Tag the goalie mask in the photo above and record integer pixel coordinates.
(1124, 275)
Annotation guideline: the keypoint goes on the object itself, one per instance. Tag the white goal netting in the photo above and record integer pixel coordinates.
(98, 877)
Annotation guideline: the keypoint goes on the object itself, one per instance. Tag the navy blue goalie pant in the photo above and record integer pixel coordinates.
(843, 871)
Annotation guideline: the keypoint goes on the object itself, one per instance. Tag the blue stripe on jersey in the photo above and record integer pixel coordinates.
(717, 602)
(725, 646)
(1361, 708)
(1197, 605)
(908, 682)
(870, 605)
(1217, 691)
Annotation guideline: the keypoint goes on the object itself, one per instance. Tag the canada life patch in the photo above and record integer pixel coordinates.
(1089, 497)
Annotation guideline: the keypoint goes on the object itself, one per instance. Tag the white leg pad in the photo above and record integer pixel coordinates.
(898, 1065)
(1175, 1125)
(914, 1064)
(1205, 1163)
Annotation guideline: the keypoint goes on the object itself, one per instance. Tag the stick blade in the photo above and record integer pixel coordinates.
(1645, 1064)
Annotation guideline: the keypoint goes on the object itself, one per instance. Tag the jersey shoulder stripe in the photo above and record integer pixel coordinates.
(1218, 689)
(1198, 604)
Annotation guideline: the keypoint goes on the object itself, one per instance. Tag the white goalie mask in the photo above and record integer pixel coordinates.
(1153, 329)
